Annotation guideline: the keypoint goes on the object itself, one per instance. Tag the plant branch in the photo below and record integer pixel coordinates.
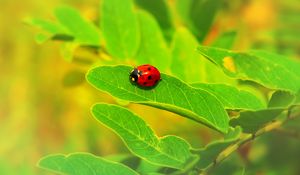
(248, 138)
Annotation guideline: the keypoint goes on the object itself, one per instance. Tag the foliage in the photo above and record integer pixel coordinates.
(141, 32)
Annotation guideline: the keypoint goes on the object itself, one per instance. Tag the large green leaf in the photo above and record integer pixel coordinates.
(159, 9)
(212, 150)
(153, 49)
(251, 121)
(278, 73)
(82, 163)
(231, 97)
(186, 61)
(82, 30)
(169, 151)
(170, 94)
(120, 28)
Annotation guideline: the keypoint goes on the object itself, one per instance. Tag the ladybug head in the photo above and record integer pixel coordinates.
(134, 75)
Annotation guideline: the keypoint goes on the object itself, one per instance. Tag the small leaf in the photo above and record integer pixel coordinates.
(120, 28)
(170, 94)
(278, 73)
(189, 66)
(169, 151)
(202, 14)
(251, 121)
(198, 15)
(47, 26)
(139, 165)
(82, 163)
(231, 97)
(186, 63)
(233, 165)
(50, 29)
(281, 99)
(42, 37)
(159, 9)
(147, 168)
(153, 49)
(212, 150)
(73, 78)
(226, 40)
(183, 8)
(67, 50)
(297, 101)
(83, 31)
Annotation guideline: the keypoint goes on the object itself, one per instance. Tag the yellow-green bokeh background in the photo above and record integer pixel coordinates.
(40, 116)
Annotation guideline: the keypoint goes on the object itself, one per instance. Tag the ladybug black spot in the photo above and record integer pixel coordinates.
(149, 68)
(145, 83)
(149, 77)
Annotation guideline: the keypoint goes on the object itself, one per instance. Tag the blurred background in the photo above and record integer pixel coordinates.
(44, 110)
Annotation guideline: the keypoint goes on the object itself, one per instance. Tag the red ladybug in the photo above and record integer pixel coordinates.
(145, 75)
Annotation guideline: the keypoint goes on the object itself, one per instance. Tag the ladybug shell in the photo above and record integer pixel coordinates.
(149, 75)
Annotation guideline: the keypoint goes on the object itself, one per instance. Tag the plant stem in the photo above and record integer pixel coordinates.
(248, 138)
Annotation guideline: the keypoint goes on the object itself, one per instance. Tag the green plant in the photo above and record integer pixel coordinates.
(204, 85)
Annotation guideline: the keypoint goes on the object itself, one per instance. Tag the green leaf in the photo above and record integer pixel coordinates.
(183, 8)
(169, 151)
(198, 15)
(278, 73)
(67, 50)
(226, 40)
(251, 121)
(297, 101)
(82, 163)
(153, 49)
(186, 62)
(83, 31)
(159, 9)
(50, 29)
(212, 150)
(231, 97)
(202, 14)
(42, 37)
(47, 26)
(139, 165)
(170, 94)
(189, 66)
(281, 99)
(147, 168)
(120, 28)
(233, 165)
(73, 78)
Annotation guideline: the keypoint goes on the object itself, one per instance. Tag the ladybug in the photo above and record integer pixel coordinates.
(145, 75)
